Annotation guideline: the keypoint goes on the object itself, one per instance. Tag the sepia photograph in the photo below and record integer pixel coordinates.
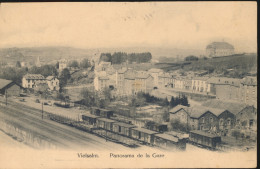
(128, 84)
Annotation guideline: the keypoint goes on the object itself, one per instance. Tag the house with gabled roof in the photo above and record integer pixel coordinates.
(29, 80)
(199, 117)
(53, 83)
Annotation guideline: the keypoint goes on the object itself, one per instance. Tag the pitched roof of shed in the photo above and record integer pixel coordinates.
(197, 111)
(233, 107)
(4, 82)
(177, 108)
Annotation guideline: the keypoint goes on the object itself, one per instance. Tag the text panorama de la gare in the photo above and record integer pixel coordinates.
(113, 155)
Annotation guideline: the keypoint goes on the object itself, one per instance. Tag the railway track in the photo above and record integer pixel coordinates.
(59, 133)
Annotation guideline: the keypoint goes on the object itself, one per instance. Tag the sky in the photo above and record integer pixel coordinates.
(184, 25)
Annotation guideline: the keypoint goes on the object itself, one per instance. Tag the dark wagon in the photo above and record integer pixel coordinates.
(204, 139)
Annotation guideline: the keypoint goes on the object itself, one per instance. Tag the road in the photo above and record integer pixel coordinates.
(63, 136)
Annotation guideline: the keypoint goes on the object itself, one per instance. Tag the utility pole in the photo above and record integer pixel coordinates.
(42, 110)
(6, 97)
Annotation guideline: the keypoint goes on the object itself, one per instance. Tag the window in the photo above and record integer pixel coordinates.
(251, 123)
(211, 120)
(229, 122)
(221, 122)
(202, 120)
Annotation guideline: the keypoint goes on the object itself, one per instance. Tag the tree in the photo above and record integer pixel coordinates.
(166, 102)
(172, 102)
(74, 64)
(165, 116)
(64, 77)
(57, 65)
(89, 98)
(45, 70)
(185, 101)
(191, 58)
(85, 63)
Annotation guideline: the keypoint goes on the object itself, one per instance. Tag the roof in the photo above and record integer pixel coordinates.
(145, 130)
(165, 75)
(232, 107)
(4, 83)
(216, 111)
(167, 137)
(220, 45)
(34, 76)
(106, 120)
(50, 77)
(129, 74)
(224, 80)
(154, 70)
(90, 115)
(125, 125)
(142, 76)
(197, 111)
(177, 108)
(203, 133)
(201, 78)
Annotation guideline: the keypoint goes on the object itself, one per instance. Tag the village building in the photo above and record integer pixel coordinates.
(199, 84)
(29, 80)
(226, 119)
(63, 64)
(120, 80)
(53, 83)
(248, 91)
(129, 82)
(164, 80)
(224, 88)
(155, 73)
(9, 88)
(203, 118)
(218, 49)
(247, 118)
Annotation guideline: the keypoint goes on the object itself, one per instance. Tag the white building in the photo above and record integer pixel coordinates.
(29, 80)
(63, 64)
(53, 83)
(155, 73)
(200, 84)
(217, 49)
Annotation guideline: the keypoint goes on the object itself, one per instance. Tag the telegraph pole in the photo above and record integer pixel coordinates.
(42, 110)
(6, 97)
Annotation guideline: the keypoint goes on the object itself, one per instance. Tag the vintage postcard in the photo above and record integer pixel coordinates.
(128, 85)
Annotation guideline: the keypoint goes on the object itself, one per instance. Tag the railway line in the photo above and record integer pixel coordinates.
(64, 136)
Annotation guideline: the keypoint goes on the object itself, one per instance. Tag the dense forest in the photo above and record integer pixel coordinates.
(121, 57)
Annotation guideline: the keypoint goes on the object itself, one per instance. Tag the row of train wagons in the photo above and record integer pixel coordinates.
(141, 134)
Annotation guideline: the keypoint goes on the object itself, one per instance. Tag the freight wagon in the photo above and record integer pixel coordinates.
(204, 139)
